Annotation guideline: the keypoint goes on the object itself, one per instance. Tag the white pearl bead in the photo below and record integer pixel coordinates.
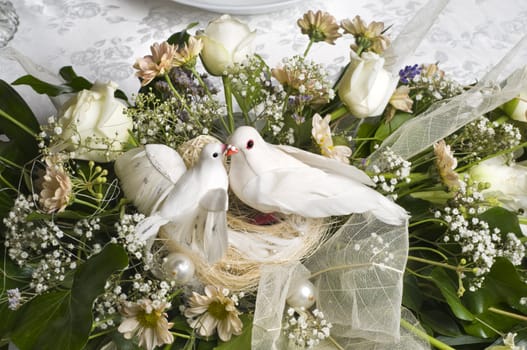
(302, 295)
(179, 268)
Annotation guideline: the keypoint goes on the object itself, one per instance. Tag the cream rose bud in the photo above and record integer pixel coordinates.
(226, 40)
(94, 124)
(517, 108)
(508, 183)
(366, 87)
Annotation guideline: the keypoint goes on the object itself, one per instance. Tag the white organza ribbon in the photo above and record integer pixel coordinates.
(443, 119)
(358, 275)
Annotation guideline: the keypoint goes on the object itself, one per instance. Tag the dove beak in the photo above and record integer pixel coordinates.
(230, 150)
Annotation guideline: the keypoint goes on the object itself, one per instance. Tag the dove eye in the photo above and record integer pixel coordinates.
(215, 155)
(250, 144)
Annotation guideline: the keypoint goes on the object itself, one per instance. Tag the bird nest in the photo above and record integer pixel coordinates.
(288, 238)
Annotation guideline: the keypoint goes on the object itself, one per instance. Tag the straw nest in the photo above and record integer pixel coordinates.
(239, 270)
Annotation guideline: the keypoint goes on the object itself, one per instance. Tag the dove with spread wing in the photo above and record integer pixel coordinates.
(278, 178)
(193, 207)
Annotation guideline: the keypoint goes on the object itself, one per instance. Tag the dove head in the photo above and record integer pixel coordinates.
(246, 139)
(213, 151)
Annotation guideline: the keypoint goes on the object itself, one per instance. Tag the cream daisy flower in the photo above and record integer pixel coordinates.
(367, 37)
(158, 63)
(56, 187)
(321, 132)
(214, 311)
(186, 54)
(446, 163)
(147, 320)
(319, 26)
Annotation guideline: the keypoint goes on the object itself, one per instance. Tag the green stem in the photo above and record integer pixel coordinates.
(311, 41)
(508, 314)
(510, 150)
(181, 335)
(201, 82)
(176, 93)
(93, 336)
(423, 335)
(334, 343)
(7, 183)
(425, 221)
(436, 263)
(227, 87)
(338, 113)
(17, 123)
(429, 250)
(88, 204)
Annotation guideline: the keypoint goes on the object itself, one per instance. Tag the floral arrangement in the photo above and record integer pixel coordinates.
(382, 211)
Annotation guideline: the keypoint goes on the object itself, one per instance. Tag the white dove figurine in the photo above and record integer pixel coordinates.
(272, 178)
(196, 206)
(148, 174)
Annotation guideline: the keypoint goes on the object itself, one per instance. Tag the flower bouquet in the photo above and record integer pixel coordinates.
(231, 205)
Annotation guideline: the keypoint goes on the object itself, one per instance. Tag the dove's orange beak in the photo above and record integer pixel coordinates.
(230, 150)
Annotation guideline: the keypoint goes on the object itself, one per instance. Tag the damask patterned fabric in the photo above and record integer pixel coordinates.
(102, 38)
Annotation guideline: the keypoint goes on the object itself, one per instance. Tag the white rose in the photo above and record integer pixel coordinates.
(508, 183)
(226, 40)
(366, 87)
(94, 124)
(517, 108)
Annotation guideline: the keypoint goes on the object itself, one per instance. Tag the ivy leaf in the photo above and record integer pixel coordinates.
(505, 220)
(181, 37)
(18, 122)
(42, 87)
(385, 129)
(62, 319)
(448, 289)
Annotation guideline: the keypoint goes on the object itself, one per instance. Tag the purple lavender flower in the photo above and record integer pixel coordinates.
(408, 73)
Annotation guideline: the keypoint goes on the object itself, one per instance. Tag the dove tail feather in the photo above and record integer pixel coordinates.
(149, 227)
(215, 240)
(390, 212)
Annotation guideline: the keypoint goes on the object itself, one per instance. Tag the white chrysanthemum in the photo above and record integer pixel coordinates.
(148, 321)
(214, 311)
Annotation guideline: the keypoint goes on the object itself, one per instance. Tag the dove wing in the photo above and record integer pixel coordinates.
(329, 165)
(148, 174)
(212, 239)
(316, 194)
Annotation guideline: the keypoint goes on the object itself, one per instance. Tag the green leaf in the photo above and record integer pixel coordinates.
(441, 322)
(42, 87)
(63, 319)
(386, 129)
(181, 37)
(505, 220)
(18, 122)
(242, 341)
(12, 277)
(412, 294)
(448, 289)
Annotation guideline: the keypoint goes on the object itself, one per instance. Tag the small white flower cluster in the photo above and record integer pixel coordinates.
(428, 89)
(480, 243)
(306, 329)
(137, 278)
(14, 299)
(251, 81)
(308, 78)
(126, 236)
(482, 138)
(166, 122)
(51, 134)
(390, 171)
(49, 250)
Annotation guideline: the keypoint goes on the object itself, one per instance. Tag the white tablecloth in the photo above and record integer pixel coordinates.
(102, 38)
